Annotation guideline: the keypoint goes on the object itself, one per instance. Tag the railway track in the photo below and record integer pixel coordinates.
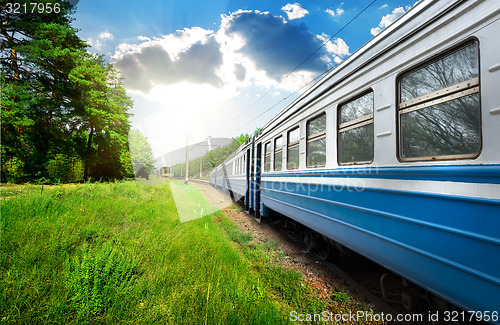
(340, 275)
(362, 292)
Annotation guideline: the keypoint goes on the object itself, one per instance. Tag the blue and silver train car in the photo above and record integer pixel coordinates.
(395, 153)
(230, 176)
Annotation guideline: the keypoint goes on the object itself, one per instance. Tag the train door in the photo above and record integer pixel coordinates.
(257, 179)
(247, 173)
(252, 176)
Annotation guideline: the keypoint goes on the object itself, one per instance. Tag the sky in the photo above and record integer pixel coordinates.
(201, 68)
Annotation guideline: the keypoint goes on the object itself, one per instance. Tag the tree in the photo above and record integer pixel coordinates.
(242, 138)
(141, 154)
(101, 119)
(58, 101)
(37, 52)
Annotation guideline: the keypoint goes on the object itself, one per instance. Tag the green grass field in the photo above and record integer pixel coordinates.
(118, 253)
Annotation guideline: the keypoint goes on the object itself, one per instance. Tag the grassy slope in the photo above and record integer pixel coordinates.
(194, 272)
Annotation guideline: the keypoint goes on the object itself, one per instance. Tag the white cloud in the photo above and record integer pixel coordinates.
(197, 80)
(375, 31)
(336, 12)
(274, 53)
(388, 20)
(229, 59)
(337, 47)
(174, 44)
(153, 63)
(95, 43)
(106, 35)
(384, 6)
(98, 42)
(294, 11)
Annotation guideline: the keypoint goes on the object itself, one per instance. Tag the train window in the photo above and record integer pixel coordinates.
(355, 140)
(267, 157)
(278, 153)
(292, 155)
(316, 141)
(439, 109)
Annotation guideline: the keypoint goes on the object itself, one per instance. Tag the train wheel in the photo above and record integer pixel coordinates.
(412, 297)
(437, 302)
(325, 249)
(311, 240)
(409, 301)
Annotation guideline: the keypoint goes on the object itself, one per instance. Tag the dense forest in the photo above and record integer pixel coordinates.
(64, 110)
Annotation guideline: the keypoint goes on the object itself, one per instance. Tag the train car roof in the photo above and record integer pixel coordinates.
(421, 15)
(401, 30)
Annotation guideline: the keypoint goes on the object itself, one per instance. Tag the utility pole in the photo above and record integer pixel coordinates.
(187, 161)
(201, 158)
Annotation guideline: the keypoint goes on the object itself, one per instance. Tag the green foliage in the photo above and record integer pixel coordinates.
(65, 169)
(102, 106)
(210, 160)
(62, 248)
(112, 253)
(99, 278)
(235, 234)
(242, 138)
(256, 294)
(141, 154)
(58, 100)
(283, 283)
(37, 55)
(340, 297)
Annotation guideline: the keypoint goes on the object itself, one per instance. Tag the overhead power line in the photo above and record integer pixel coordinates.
(281, 101)
(297, 67)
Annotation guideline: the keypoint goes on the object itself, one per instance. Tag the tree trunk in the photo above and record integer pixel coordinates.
(88, 155)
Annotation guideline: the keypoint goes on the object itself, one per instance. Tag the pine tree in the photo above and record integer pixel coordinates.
(101, 109)
(57, 99)
(37, 53)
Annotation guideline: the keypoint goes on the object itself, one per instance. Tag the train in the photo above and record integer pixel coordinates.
(395, 154)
